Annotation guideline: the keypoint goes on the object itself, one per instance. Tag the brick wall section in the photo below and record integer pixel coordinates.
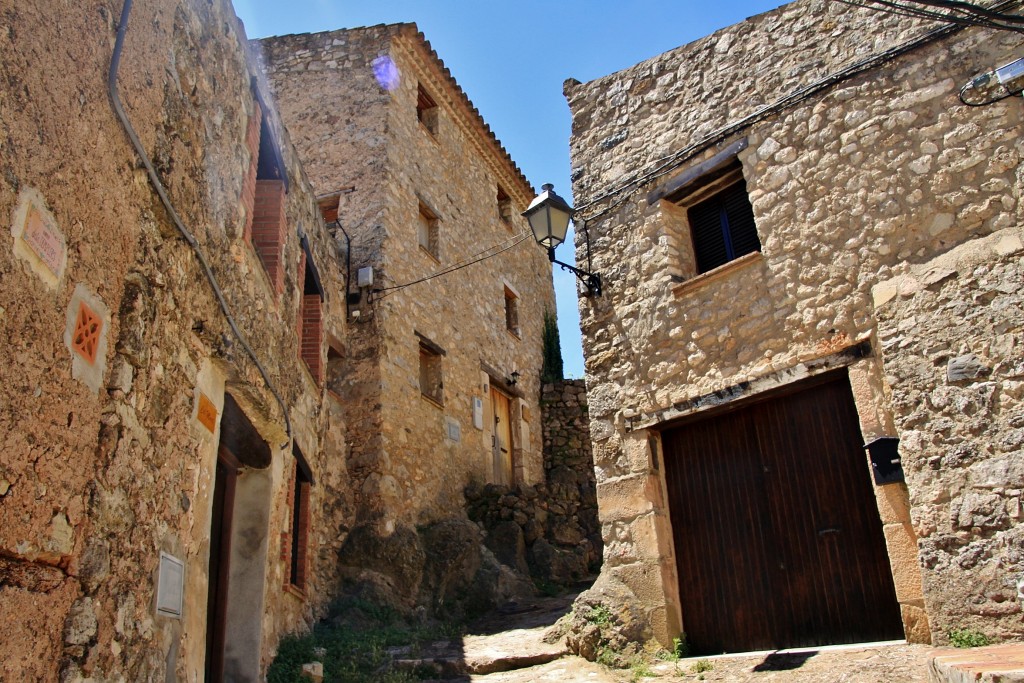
(312, 336)
(252, 143)
(268, 229)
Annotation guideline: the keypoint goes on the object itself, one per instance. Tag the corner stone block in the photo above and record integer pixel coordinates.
(86, 328)
(626, 498)
(901, 543)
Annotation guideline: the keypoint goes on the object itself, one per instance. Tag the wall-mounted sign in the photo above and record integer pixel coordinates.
(206, 413)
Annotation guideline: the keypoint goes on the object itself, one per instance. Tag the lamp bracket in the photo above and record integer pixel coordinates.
(592, 281)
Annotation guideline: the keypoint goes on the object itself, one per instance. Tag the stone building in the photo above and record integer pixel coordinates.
(172, 472)
(445, 351)
(809, 242)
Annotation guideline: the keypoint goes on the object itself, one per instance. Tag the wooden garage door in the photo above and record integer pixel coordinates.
(777, 535)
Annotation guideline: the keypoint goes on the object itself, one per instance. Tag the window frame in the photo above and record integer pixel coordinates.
(427, 111)
(430, 362)
(428, 217)
(511, 301)
(711, 187)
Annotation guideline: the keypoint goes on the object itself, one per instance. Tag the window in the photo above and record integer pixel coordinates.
(511, 311)
(298, 536)
(263, 196)
(722, 221)
(431, 380)
(426, 110)
(504, 206)
(310, 320)
(335, 371)
(428, 231)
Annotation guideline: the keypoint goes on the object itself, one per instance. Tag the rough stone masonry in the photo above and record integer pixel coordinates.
(889, 224)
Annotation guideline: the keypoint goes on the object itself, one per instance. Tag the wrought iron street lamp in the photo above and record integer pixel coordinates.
(549, 216)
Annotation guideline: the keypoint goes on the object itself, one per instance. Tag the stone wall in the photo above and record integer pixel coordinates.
(950, 332)
(548, 530)
(853, 181)
(109, 449)
(350, 100)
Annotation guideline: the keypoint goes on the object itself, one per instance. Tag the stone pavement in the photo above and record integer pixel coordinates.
(509, 647)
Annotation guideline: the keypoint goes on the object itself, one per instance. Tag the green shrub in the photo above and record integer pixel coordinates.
(702, 665)
(968, 637)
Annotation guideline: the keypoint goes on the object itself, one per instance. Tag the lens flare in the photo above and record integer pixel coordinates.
(386, 72)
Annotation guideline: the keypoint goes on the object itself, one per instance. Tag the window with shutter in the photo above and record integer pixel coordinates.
(722, 227)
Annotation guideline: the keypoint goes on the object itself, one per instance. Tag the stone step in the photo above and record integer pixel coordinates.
(992, 664)
(506, 651)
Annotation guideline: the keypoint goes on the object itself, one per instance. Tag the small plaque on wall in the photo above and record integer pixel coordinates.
(170, 588)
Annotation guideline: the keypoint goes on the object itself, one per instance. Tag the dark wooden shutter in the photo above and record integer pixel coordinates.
(708, 239)
(722, 228)
(742, 231)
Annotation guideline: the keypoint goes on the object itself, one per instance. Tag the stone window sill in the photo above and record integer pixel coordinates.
(432, 401)
(430, 254)
(514, 334)
(295, 591)
(684, 288)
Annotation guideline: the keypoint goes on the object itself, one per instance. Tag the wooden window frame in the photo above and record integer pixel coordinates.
(504, 207)
(427, 111)
(710, 195)
(428, 217)
(431, 371)
(512, 312)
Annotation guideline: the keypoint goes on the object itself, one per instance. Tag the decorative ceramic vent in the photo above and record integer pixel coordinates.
(86, 337)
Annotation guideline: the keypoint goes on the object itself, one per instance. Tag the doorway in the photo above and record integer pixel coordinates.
(777, 534)
(239, 527)
(501, 437)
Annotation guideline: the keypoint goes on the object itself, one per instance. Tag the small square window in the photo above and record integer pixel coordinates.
(721, 220)
(426, 110)
(504, 207)
(511, 311)
(428, 231)
(431, 380)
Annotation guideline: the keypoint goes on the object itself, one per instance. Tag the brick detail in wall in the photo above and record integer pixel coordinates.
(302, 302)
(268, 229)
(312, 336)
(252, 143)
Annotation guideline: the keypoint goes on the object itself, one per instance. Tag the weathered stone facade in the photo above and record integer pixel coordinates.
(861, 165)
(548, 530)
(424, 189)
(122, 374)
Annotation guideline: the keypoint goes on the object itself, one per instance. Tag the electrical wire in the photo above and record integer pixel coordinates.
(962, 13)
(483, 256)
(668, 163)
(154, 179)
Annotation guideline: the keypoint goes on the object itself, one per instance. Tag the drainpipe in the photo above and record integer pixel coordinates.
(154, 179)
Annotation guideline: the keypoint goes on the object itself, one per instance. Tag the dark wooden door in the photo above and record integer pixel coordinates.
(220, 563)
(777, 534)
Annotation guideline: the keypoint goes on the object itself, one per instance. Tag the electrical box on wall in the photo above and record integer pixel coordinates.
(478, 412)
(885, 459)
(364, 277)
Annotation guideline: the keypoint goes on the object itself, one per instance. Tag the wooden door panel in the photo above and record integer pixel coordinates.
(778, 540)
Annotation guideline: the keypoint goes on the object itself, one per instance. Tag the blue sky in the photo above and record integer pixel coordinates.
(512, 58)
